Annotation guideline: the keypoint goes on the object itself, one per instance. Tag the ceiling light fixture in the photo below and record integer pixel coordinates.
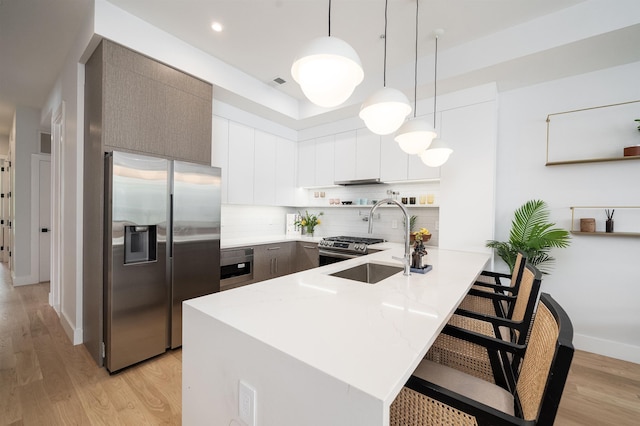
(438, 152)
(386, 109)
(216, 26)
(415, 135)
(327, 70)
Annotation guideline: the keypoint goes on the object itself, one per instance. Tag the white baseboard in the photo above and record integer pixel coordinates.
(74, 334)
(607, 348)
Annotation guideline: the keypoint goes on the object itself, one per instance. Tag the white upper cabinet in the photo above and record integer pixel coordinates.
(315, 162)
(357, 155)
(324, 166)
(264, 160)
(241, 155)
(307, 163)
(367, 154)
(345, 156)
(220, 151)
(396, 165)
(285, 172)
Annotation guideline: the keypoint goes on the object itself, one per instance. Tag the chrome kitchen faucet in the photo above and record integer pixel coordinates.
(407, 247)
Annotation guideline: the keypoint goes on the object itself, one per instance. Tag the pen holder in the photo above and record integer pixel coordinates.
(609, 225)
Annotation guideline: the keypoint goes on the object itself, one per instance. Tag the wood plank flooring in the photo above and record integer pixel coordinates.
(45, 380)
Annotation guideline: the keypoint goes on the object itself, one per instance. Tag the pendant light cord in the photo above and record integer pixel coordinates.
(329, 18)
(435, 83)
(415, 69)
(384, 72)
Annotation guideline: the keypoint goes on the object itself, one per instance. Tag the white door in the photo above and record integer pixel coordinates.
(45, 220)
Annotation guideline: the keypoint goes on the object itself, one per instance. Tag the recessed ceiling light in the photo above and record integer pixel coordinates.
(216, 26)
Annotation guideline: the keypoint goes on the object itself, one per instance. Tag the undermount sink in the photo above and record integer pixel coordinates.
(370, 273)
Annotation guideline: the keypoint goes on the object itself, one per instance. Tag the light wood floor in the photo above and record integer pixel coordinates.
(44, 380)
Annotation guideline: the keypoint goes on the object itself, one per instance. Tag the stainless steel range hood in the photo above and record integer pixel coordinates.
(358, 182)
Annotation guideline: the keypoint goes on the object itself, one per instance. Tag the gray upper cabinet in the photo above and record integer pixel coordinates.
(152, 108)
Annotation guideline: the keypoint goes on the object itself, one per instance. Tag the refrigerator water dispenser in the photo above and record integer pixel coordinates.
(140, 244)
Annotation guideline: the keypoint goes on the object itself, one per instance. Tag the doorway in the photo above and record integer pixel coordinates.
(41, 217)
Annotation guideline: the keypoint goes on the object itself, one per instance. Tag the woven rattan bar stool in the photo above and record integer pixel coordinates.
(439, 395)
(452, 349)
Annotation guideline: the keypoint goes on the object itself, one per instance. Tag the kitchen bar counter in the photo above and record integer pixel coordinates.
(318, 349)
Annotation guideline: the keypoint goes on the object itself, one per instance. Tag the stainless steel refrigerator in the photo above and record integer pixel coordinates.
(162, 246)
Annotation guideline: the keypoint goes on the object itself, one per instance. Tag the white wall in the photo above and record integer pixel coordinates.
(25, 140)
(4, 144)
(69, 89)
(596, 278)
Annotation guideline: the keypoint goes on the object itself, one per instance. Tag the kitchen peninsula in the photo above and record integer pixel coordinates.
(317, 349)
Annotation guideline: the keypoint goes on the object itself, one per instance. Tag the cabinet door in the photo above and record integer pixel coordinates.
(188, 123)
(281, 254)
(419, 170)
(306, 255)
(393, 160)
(345, 156)
(264, 180)
(324, 153)
(220, 152)
(285, 172)
(306, 163)
(241, 146)
(271, 261)
(367, 154)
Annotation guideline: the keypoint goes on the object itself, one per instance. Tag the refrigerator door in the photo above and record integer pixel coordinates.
(136, 290)
(195, 252)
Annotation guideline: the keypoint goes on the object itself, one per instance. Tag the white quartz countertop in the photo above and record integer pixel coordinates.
(226, 243)
(370, 336)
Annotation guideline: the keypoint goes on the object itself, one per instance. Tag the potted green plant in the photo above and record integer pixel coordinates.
(533, 234)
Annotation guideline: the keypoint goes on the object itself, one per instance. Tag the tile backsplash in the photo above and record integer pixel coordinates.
(241, 221)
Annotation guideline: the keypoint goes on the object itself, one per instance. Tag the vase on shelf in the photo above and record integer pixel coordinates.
(609, 225)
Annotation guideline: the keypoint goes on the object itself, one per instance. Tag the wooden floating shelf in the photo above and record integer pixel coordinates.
(591, 160)
(608, 234)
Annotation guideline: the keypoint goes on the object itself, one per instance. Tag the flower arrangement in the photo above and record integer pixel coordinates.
(308, 222)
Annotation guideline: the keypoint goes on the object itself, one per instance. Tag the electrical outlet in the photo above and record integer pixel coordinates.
(394, 224)
(247, 404)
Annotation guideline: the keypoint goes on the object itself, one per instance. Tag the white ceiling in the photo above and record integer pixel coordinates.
(262, 37)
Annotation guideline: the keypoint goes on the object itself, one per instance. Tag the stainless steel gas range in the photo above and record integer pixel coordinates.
(336, 249)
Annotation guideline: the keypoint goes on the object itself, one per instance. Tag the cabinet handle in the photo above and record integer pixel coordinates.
(276, 259)
(273, 248)
(310, 247)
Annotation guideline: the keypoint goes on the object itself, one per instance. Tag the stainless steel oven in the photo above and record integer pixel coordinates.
(236, 267)
(337, 249)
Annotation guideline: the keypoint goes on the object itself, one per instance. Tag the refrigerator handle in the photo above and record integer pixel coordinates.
(170, 227)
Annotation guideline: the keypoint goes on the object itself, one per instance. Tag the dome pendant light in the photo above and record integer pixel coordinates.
(385, 110)
(327, 70)
(438, 152)
(415, 135)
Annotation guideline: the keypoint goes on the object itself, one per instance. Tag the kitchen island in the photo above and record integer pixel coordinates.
(318, 349)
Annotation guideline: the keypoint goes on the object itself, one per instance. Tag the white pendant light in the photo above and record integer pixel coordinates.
(415, 135)
(327, 70)
(438, 152)
(385, 111)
